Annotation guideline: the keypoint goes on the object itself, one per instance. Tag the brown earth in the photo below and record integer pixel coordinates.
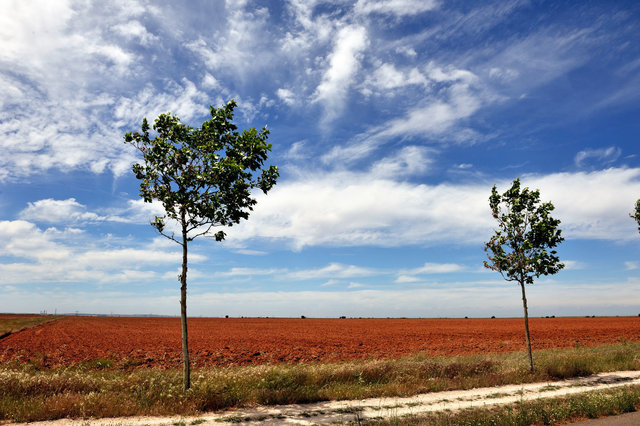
(155, 342)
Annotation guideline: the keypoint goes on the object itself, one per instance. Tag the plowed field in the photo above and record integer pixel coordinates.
(147, 342)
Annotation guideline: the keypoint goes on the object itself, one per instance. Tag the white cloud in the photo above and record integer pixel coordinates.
(631, 265)
(52, 255)
(286, 96)
(184, 100)
(600, 156)
(210, 82)
(23, 239)
(409, 276)
(361, 147)
(66, 60)
(248, 252)
(310, 28)
(387, 78)
(395, 7)
(135, 30)
(411, 160)
(593, 205)
(345, 209)
(572, 265)
(344, 62)
(534, 60)
(407, 279)
(505, 75)
(59, 211)
(407, 50)
(70, 211)
(297, 151)
(458, 96)
(361, 209)
(436, 117)
(137, 212)
(437, 268)
(240, 46)
(333, 270)
(242, 272)
(372, 208)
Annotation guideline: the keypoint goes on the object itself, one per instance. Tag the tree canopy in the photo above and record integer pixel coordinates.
(520, 249)
(204, 174)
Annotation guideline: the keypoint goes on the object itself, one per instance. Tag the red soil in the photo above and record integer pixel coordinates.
(216, 341)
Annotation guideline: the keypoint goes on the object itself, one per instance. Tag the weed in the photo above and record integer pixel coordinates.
(497, 395)
(544, 411)
(29, 392)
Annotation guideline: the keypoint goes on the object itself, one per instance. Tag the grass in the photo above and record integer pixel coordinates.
(8, 326)
(30, 391)
(540, 412)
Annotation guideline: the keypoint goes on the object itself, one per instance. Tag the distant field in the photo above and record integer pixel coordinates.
(11, 323)
(155, 342)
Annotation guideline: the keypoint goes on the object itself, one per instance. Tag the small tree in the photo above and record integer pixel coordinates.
(636, 215)
(204, 178)
(519, 249)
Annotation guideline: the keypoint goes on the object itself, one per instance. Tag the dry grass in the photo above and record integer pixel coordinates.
(541, 412)
(18, 323)
(30, 391)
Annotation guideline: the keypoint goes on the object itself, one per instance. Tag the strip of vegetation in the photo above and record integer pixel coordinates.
(29, 391)
(539, 412)
(13, 325)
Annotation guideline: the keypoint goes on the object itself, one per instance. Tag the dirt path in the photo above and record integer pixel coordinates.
(345, 411)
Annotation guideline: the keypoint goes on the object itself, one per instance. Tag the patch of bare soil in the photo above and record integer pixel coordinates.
(155, 342)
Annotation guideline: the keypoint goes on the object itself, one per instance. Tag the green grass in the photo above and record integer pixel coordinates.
(540, 412)
(31, 391)
(21, 323)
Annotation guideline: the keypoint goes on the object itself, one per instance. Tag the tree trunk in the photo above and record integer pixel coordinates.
(183, 310)
(526, 325)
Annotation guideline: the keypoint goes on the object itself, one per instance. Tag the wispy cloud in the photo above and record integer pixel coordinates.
(457, 95)
(572, 265)
(436, 268)
(343, 61)
(239, 45)
(395, 7)
(331, 271)
(598, 156)
(429, 268)
(411, 160)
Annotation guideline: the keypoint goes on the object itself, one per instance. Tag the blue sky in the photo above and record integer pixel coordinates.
(390, 121)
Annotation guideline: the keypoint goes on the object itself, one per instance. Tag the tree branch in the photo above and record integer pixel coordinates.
(170, 237)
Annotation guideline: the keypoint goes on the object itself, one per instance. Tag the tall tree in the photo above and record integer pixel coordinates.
(204, 178)
(520, 248)
(636, 215)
